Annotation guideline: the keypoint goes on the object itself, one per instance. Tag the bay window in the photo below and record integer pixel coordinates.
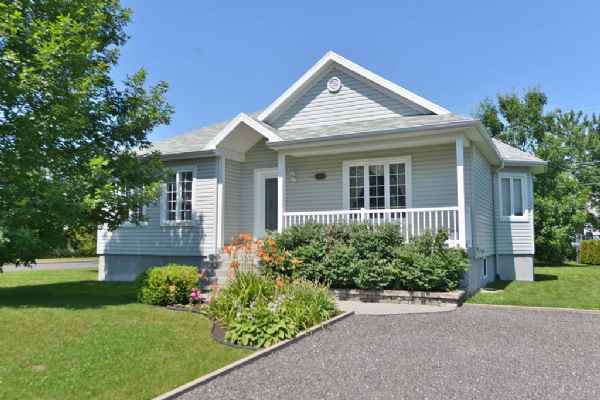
(377, 183)
(513, 190)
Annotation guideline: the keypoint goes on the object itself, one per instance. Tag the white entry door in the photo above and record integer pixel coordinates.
(265, 201)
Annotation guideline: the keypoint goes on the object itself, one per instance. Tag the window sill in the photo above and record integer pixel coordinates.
(524, 218)
(178, 224)
(132, 225)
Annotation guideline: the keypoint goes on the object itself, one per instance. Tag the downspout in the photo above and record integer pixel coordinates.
(494, 193)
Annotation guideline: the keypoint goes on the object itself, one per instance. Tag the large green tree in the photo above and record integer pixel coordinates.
(68, 133)
(569, 189)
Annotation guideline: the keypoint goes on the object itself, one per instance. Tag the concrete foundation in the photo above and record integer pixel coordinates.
(515, 267)
(113, 267)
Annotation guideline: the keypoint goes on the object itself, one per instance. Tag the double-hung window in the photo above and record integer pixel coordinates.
(178, 196)
(513, 195)
(377, 183)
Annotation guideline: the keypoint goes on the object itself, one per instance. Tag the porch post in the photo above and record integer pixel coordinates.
(220, 203)
(281, 178)
(460, 189)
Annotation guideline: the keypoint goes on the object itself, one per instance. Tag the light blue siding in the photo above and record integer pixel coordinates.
(154, 239)
(482, 210)
(356, 101)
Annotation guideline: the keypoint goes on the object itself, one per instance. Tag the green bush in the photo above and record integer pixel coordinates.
(170, 284)
(366, 257)
(257, 311)
(589, 252)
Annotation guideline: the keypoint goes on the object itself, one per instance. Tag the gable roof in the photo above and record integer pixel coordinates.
(331, 58)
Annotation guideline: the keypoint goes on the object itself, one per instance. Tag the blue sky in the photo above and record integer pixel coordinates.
(222, 57)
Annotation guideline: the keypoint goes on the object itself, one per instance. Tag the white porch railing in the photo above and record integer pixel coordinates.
(411, 221)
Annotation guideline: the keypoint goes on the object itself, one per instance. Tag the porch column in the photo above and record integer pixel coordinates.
(281, 178)
(460, 189)
(220, 203)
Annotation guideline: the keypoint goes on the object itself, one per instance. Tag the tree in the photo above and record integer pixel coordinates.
(563, 195)
(70, 136)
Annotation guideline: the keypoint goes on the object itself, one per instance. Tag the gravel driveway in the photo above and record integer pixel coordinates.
(471, 353)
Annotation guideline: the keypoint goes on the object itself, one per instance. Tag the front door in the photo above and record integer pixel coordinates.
(271, 204)
(265, 201)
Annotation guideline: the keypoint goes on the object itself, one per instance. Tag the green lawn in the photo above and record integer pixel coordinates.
(66, 336)
(564, 286)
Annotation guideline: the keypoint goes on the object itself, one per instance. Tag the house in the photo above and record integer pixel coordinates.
(340, 145)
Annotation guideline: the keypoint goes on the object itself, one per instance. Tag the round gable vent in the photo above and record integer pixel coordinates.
(334, 84)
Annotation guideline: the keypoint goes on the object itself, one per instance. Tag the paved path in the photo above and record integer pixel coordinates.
(91, 263)
(471, 353)
(361, 308)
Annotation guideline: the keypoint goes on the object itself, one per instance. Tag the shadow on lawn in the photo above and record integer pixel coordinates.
(545, 277)
(70, 295)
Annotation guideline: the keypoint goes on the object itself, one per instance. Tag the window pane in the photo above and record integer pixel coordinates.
(357, 187)
(376, 186)
(505, 187)
(185, 183)
(518, 196)
(172, 198)
(397, 186)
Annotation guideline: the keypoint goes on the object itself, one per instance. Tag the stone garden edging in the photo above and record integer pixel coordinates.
(400, 296)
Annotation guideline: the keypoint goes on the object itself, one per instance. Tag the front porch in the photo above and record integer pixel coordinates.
(418, 182)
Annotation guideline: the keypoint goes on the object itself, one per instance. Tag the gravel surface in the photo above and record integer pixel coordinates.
(471, 353)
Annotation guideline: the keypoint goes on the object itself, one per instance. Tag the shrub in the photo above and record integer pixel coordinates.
(171, 284)
(589, 252)
(364, 257)
(256, 310)
(424, 264)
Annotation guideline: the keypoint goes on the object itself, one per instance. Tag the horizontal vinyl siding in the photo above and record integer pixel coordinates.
(154, 239)
(233, 199)
(357, 100)
(514, 237)
(483, 204)
(433, 178)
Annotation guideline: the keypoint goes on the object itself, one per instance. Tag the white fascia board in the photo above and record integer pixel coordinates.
(331, 57)
(242, 118)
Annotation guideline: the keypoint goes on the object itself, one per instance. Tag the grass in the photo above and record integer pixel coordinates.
(564, 286)
(67, 336)
(65, 259)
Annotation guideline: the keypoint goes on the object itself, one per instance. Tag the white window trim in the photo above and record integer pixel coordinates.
(406, 160)
(524, 194)
(163, 198)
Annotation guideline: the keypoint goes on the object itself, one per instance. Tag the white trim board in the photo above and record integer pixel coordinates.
(242, 118)
(332, 58)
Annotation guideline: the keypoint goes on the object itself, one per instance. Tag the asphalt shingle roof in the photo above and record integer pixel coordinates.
(510, 153)
(198, 139)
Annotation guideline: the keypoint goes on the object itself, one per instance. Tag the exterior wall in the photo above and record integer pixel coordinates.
(158, 240)
(232, 199)
(482, 199)
(116, 267)
(518, 267)
(433, 178)
(357, 100)
(514, 237)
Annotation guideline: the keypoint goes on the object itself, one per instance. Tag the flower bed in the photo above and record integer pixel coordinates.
(359, 256)
(257, 310)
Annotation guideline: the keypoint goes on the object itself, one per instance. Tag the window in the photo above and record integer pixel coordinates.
(377, 183)
(178, 197)
(512, 196)
(484, 271)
